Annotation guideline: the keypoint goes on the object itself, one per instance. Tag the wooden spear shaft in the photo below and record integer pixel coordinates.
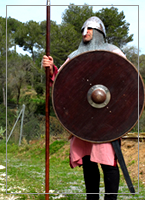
(47, 72)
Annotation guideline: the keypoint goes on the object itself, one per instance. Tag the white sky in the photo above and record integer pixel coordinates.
(35, 10)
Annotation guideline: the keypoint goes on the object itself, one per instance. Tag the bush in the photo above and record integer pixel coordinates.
(141, 124)
(31, 128)
(39, 88)
(10, 116)
(55, 127)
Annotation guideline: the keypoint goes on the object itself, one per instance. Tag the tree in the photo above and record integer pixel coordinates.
(64, 40)
(29, 36)
(12, 26)
(117, 29)
(66, 37)
(3, 57)
(142, 65)
(2, 80)
(131, 54)
(18, 65)
(77, 15)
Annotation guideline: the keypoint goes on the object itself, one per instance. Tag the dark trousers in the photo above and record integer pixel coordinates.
(92, 179)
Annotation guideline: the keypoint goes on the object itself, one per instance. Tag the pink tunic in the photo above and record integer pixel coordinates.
(99, 153)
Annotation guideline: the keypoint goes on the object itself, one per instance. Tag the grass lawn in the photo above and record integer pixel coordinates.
(26, 174)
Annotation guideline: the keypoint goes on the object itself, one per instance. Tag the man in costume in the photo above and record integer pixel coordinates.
(86, 153)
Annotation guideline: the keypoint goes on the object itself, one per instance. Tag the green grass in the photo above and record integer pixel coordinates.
(26, 174)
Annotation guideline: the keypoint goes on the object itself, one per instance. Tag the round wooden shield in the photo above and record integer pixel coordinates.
(98, 96)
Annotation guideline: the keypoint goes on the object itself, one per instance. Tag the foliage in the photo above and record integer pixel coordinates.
(132, 55)
(18, 65)
(26, 71)
(56, 129)
(3, 35)
(2, 58)
(77, 15)
(142, 65)
(22, 71)
(66, 37)
(138, 61)
(62, 46)
(31, 124)
(142, 122)
(31, 128)
(2, 131)
(29, 36)
(10, 116)
(34, 120)
(117, 29)
(1, 93)
(39, 88)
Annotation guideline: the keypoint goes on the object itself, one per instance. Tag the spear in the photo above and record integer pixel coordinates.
(47, 72)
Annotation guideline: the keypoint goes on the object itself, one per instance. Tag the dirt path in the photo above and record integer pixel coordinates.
(131, 149)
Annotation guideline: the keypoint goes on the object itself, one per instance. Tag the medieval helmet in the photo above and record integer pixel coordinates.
(93, 22)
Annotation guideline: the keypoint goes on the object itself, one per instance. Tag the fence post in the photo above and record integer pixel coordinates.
(22, 119)
(23, 110)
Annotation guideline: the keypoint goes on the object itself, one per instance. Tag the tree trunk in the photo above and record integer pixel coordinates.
(18, 96)
(4, 97)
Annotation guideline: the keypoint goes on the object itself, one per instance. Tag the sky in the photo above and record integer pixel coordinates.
(36, 10)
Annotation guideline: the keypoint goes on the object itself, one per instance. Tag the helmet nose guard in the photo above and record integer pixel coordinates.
(93, 22)
(85, 30)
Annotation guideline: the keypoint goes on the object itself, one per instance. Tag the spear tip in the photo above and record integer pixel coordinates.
(48, 2)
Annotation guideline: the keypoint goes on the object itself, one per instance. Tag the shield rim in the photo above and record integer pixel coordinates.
(139, 115)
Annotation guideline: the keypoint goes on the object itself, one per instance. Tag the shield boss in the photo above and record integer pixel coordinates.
(98, 96)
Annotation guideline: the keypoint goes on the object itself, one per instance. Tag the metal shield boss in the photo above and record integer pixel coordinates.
(98, 96)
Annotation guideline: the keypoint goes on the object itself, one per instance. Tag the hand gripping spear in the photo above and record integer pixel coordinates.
(47, 71)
